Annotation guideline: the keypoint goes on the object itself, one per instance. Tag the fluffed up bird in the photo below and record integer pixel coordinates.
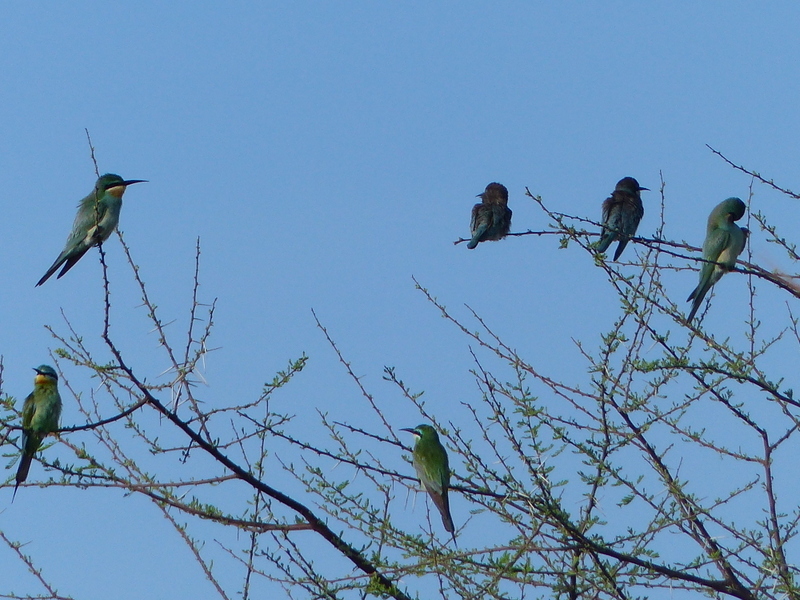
(724, 242)
(622, 211)
(433, 470)
(491, 219)
(40, 416)
(98, 216)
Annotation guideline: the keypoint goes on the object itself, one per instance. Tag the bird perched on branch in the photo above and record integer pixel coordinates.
(491, 218)
(433, 470)
(40, 416)
(98, 216)
(724, 242)
(622, 211)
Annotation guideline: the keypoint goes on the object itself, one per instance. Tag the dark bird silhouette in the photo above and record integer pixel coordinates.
(622, 211)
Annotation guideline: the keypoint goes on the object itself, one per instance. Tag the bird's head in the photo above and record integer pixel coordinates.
(630, 185)
(114, 185)
(735, 208)
(45, 374)
(421, 431)
(495, 193)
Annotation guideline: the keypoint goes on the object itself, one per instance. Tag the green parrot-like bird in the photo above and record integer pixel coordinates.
(433, 470)
(724, 242)
(40, 416)
(98, 216)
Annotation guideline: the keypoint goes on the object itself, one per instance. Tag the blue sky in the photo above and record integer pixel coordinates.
(326, 152)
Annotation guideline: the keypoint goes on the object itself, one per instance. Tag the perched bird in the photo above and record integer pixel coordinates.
(98, 215)
(622, 211)
(724, 242)
(40, 415)
(491, 219)
(433, 470)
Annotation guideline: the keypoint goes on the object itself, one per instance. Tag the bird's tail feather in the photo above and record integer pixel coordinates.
(620, 248)
(697, 295)
(443, 504)
(476, 238)
(605, 242)
(70, 262)
(59, 261)
(693, 312)
(22, 471)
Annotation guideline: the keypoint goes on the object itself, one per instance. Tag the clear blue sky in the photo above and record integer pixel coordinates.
(324, 153)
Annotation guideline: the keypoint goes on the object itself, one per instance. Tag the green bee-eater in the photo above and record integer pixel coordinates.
(433, 470)
(98, 216)
(40, 415)
(622, 212)
(724, 241)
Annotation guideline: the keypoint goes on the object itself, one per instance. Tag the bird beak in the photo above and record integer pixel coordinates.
(409, 430)
(132, 181)
(646, 189)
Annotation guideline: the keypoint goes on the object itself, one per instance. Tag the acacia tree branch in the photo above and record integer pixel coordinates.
(203, 441)
(754, 174)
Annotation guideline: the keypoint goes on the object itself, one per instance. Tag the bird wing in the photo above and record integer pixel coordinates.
(28, 410)
(87, 230)
(432, 468)
(477, 219)
(610, 224)
(716, 242)
(91, 213)
(481, 217)
(721, 247)
(435, 476)
(501, 219)
(608, 203)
